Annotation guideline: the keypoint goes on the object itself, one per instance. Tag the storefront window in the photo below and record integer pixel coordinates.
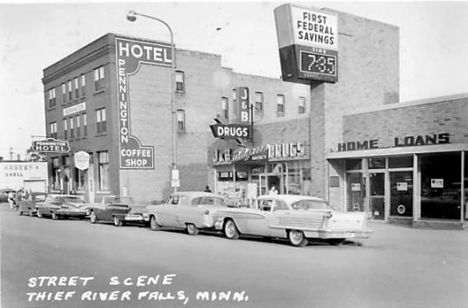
(376, 163)
(441, 196)
(401, 193)
(400, 162)
(353, 164)
(55, 173)
(79, 179)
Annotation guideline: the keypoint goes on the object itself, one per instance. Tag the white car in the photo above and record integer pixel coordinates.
(189, 210)
(297, 218)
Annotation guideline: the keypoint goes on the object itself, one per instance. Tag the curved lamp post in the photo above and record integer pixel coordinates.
(132, 16)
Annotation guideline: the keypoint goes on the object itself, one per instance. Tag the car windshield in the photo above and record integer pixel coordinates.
(208, 201)
(118, 199)
(70, 199)
(309, 205)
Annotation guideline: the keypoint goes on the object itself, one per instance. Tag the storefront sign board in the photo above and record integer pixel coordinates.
(81, 160)
(244, 105)
(51, 145)
(308, 43)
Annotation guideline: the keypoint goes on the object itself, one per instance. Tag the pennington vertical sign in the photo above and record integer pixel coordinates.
(130, 55)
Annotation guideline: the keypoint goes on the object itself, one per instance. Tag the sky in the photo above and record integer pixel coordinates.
(35, 35)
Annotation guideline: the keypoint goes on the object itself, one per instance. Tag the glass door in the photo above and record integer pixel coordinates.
(377, 195)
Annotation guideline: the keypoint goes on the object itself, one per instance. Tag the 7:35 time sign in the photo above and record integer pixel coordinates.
(318, 64)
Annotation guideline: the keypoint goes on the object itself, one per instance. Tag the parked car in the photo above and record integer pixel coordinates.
(62, 206)
(190, 210)
(117, 209)
(295, 217)
(28, 206)
(4, 194)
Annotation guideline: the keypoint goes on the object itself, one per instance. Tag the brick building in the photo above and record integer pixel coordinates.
(112, 99)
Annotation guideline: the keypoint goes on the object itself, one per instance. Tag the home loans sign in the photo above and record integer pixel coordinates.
(308, 44)
(130, 55)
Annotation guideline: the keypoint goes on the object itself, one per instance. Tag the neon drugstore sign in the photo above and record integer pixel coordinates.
(269, 152)
(130, 55)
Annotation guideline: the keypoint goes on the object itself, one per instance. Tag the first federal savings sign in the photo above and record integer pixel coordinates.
(130, 55)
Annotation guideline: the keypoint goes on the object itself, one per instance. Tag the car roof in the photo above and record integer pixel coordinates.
(193, 194)
(291, 198)
(60, 195)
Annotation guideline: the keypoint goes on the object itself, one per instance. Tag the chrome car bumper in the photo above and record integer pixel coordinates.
(136, 217)
(329, 234)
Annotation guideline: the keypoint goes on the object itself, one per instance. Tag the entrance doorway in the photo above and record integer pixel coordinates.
(377, 195)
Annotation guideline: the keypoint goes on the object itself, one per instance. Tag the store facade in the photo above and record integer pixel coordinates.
(405, 163)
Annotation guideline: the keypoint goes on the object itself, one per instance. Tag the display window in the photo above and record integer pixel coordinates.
(441, 195)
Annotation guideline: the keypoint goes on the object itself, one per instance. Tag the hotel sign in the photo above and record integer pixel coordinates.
(308, 44)
(50, 145)
(130, 55)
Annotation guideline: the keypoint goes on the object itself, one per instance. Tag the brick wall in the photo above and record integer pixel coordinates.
(424, 119)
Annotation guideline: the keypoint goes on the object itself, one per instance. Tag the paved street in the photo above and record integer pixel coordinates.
(90, 265)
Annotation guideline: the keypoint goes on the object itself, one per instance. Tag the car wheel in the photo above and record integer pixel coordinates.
(230, 230)
(54, 216)
(93, 218)
(117, 222)
(192, 229)
(154, 224)
(297, 238)
(336, 241)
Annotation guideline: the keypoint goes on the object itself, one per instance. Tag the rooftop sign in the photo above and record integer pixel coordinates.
(308, 44)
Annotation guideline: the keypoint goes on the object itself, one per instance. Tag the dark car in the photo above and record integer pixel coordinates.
(119, 210)
(62, 206)
(28, 206)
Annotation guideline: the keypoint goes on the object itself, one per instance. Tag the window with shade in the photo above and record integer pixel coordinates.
(302, 104)
(180, 120)
(280, 102)
(101, 121)
(99, 79)
(52, 101)
(179, 79)
(259, 102)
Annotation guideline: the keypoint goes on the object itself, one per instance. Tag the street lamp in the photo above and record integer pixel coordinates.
(132, 16)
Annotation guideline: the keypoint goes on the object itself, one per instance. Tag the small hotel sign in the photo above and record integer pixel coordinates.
(50, 145)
